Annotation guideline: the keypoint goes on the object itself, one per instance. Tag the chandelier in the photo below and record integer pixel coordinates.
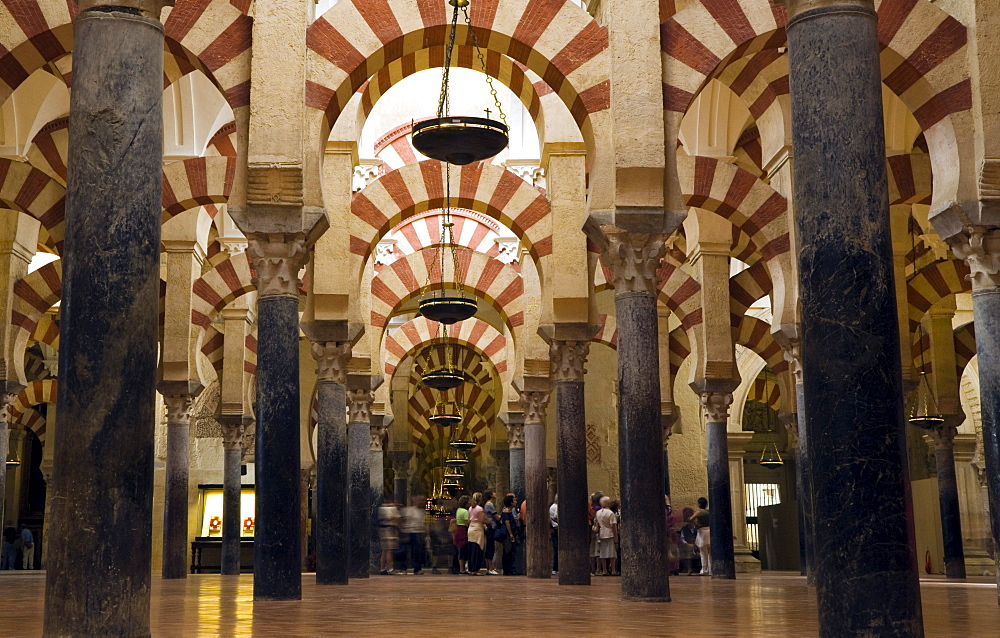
(446, 415)
(923, 411)
(770, 457)
(446, 376)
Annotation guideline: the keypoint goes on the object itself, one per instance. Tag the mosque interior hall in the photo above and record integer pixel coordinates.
(671, 311)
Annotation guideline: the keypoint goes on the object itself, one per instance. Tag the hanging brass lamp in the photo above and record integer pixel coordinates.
(454, 139)
(446, 415)
(447, 376)
(13, 458)
(770, 457)
(923, 411)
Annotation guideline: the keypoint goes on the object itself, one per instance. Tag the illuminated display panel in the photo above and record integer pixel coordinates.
(211, 517)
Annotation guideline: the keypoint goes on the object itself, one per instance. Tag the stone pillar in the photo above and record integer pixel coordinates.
(667, 428)
(981, 251)
(515, 443)
(233, 430)
(538, 547)
(7, 396)
(716, 408)
(951, 517)
(376, 478)
(331, 533)
(401, 471)
(634, 260)
(568, 359)
(803, 485)
(175, 510)
(743, 560)
(866, 571)
(98, 578)
(358, 454)
(277, 260)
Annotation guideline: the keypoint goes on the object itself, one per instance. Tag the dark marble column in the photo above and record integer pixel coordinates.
(866, 571)
(634, 259)
(358, 455)
(803, 489)
(981, 251)
(98, 576)
(233, 429)
(278, 538)
(538, 546)
(175, 511)
(515, 441)
(332, 533)
(720, 506)
(568, 360)
(951, 520)
(376, 478)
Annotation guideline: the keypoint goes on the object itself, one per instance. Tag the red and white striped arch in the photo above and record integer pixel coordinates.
(483, 188)
(556, 39)
(420, 331)
(34, 393)
(498, 284)
(228, 279)
(48, 149)
(933, 283)
(28, 190)
(31, 419)
(198, 181)
(471, 229)
(745, 288)
(965, 346)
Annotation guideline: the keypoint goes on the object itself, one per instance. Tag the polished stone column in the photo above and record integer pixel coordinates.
(98, 578)
(568, 360)
(515, 443)
(803, 487)
(866, 571)
(668, 430)
(634, 259)
(376, 478)
(8, 393)
(331, 533)
(233, 430)
(538, 546)
(278, 540)
(400, 483)
(981, 251)
(951, 518)
(175, 511)
(720, 507)
(358, 455)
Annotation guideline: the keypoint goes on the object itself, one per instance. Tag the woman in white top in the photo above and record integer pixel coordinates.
(477, 534)
(607, 536)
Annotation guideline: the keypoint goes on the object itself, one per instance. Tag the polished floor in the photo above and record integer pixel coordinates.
(429, 605)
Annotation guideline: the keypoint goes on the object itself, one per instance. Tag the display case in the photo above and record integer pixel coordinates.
(206, 549)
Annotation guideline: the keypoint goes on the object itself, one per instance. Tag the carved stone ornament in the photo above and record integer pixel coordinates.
(276, 260)
(634, 259)
(332, 358)
(178, 408)
(275, 184)
(716, 406)
(515, 436)
(981, 252)
(667, 431)
(568, 359)
(534, 406)
(232, 436)
(943, 436)
(793, 355)
(377, 433)
(8, 402)
(360, 404)
(791, 424)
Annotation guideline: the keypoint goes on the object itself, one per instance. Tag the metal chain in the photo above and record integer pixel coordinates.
(482, 61)
(443, 99)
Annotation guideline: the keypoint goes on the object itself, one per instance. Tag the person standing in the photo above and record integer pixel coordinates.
(477, 534)
(607, 522)
(9, 555)
(27, 548)
(509, 523)
(388, 534)
(688, 538)
(413, 529)
(492, 524)
(462, 533)
(554, 531)
(704, 542)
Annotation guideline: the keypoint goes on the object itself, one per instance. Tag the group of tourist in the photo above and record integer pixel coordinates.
(14, 540)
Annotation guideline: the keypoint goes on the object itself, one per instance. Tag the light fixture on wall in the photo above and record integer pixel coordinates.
(454, 139)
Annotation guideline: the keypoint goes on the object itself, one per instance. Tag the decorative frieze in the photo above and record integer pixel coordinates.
(276, 261)
(634, 259)
(332, 359)
(716, 406)
(568, 359)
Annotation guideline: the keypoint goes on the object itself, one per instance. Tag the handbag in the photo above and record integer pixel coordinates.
(500, 534)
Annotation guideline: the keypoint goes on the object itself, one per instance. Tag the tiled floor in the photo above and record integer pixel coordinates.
(773, 605)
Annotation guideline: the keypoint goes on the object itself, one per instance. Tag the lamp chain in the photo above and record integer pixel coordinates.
(482, 61)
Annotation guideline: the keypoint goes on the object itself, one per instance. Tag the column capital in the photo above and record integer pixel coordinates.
(360, 403)
(515, 436)
(332, 360)
(798, 7)
(715, 405)
(568, 359)
(634, 259)
(980, 249)
(534, 403)
(276, 261)
(178, 408)
(791, 423)
(7, 398)
(793, 355)
(943, 436)
(232, 435)
(377, 433)
(148, 8)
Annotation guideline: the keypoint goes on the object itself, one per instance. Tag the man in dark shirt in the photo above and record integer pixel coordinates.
(9, 555)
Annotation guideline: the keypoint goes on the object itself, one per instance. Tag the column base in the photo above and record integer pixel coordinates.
(745, 562)
(979, 566)
(650, 599)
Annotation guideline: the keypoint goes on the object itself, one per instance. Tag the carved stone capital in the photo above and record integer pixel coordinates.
(568, 359)
(148, 8)
(6, 403)
(791, 423)
(634, 259)
(981, 251)
(793, 355)
(276, 260)
(360, 403)
(716, 406)
(332, 359)
(534, 406)
(667, 428)
(515, 436)
(377, 433)
(798, 7)
(943, 436)
(178, 408)
(232, 436)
